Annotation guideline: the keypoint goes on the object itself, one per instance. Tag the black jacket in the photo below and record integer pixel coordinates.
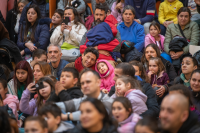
(65, 95)
(134, 54)
(185, 2)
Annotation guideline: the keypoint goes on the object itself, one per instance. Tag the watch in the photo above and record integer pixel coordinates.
(68, 119)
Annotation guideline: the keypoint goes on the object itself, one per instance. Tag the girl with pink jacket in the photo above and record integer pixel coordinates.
(117, 9)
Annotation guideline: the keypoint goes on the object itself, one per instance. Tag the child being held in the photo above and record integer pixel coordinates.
(106, 72)
(128, 87)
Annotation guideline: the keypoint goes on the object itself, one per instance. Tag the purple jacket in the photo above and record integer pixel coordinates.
(128, 125)
(26, 106)
(162, 79)
(115, 12)
(149, 39)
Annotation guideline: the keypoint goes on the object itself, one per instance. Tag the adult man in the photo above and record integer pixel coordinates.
(175, 116)
(54, 56)
(104, 49)
(87, 60)
(145, 12)
(90, 85)
(38, 55)
(128, 70)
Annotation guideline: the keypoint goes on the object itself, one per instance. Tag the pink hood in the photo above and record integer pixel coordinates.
(150, 39)
(106, 82)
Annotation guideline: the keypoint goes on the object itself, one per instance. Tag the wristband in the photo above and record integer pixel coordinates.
(68, 119)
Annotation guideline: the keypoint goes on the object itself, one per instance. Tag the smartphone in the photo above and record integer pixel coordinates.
(38, 86)
(66, 20)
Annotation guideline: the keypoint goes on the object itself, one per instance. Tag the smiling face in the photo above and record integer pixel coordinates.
(31, 15)
(88, 59)
(121, 87)
(195, 82)
(154, 31)
(45, 92)
(102, 67)
(21, 7)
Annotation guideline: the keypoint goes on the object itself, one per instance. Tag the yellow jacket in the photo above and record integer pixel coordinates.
(168, 11)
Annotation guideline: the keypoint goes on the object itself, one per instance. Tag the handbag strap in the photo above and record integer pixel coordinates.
(181, 31)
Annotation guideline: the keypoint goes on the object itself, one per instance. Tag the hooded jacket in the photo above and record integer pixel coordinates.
(64, 126)
(168, 11)
(162, 79)
(150, 39)
(138, 100)
(115, 12)
(107, 81)
(134, 33)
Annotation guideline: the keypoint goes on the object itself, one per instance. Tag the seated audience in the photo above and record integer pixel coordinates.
(4, 120)
(106, 72)
(189, 35)
(145, 12)
(34, 33)
(13, 17)
(107, 3)
(3, 32)
(71, 33)
(123, 113)
(87, 60)
(130, 29)
(117, 9)
(43, 89)
(52, 113)
(175, 116)
(54, 56)
(189, 64)
(90, 86)
(155, 37)
(23, 76)
(36, 124)
(38, 55)
(94, 118)
(67, 88)
(168, 13)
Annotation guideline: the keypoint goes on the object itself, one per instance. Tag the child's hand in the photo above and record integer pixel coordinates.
(64, 117)
(160, 92)
(150, 73)
(29, 87)
(58, 87)
(104, 91)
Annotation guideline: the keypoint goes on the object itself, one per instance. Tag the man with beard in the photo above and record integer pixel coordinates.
(175, 116)
(57, 64)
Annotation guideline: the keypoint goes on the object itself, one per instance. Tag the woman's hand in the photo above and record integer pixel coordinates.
(160, 92)
(30, 46)
(63, 26)
(29, 87)
(69, 27)
(22, 52)
(176, 55)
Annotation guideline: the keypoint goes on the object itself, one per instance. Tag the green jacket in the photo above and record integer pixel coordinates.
(191, 32)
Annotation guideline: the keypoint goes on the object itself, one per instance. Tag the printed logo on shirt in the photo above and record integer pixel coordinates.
(74, 53)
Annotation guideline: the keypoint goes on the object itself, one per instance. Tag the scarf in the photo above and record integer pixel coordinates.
(79, 65)
(186, 82)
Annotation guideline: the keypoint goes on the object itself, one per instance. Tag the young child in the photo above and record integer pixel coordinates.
(157, 75)
(168, 13)
(52, 114)
(117, 9)
(36, 124)
(67, 88)
(8, 99)
(43, 88)
(139, 70)
(106, 72)
(128, 87)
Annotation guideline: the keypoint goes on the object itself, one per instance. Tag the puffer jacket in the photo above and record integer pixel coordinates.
(63, 126)
(150, 39)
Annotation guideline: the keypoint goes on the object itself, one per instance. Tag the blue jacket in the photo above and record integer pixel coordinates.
(134, 33)
(144, 9)
(42, 36)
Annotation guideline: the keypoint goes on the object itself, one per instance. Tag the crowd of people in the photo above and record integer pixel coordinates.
(126, 68)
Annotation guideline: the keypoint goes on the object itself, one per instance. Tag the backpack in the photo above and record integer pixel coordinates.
(197, 56)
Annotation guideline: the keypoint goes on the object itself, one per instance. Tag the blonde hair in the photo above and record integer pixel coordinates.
(45, 67)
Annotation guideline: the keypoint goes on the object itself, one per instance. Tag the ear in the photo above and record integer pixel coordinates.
(128, 85)
(129, 110)
(185, 115)
(58, 120)
(195, 67)
(60, 54)
(75, 81)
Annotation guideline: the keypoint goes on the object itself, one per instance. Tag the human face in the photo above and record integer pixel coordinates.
(56, 19)
(99, 16)
(54, 54)
(154, 31)
(195, 82)
(34, 127)
(69, 13)
(121, 87)
(102, 67)
(88, 60)
(21, 75)
(128, 16)
(153, 67)
(137, 70)
(52, 121)
(90, 116)
(42, 58)
(183, 18)
(150, 52)
(67, 80)
(187, 66)
(45, 92)
(90, 84)
(37, 72)
(142, 129)
(21, 7)
(118, 73)
(119, 112)
(32, 16)
(3, 91)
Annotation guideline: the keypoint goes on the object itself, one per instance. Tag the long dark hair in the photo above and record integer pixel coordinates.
(28, 24)
(77, 18)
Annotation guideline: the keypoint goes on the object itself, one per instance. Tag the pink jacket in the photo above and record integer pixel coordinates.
(106, 82)
(115, 13)
(12, 102)
(149, 39)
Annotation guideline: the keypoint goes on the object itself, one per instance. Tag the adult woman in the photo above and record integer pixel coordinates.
(23, 76)
(131, 30)
(94, 118)
(190, 30)
(189, 64)
(34, 33)
(72, 34)
(123, 113)
(41, 69)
